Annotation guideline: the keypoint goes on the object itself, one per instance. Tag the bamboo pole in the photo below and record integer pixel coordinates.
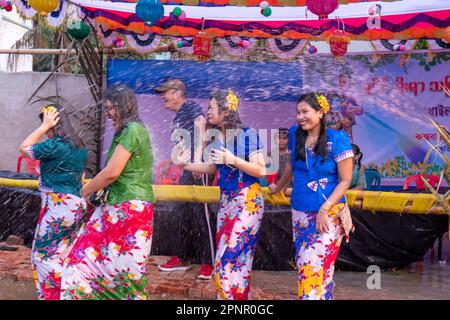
(59, 51)
(173, 49)
(207, 194)
(170, 48)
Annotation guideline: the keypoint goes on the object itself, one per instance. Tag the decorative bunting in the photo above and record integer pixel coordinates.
(286, 49)
(233, 45)
(143, 43)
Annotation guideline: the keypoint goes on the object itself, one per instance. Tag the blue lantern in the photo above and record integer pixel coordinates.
(150, 11)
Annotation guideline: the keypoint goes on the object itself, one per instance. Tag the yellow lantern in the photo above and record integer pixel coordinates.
(44, 7)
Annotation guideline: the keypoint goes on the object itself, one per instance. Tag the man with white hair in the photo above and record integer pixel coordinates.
(192, 238)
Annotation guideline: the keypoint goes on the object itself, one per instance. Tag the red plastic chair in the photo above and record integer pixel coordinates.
(431, 179)
(167, 173)
(32, 165)
(272, 178)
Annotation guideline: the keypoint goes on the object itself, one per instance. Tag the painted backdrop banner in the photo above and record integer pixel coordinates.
(383, 101)
(267, 93)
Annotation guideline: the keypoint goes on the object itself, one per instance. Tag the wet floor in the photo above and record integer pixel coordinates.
(429, 279)
(416, 282)
(426, 280)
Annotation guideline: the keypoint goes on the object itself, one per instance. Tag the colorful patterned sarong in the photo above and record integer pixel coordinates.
(238, 222)
(61, 219)
(109, 260)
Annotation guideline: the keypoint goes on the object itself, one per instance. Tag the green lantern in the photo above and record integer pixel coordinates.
(78, 30)
(266, 12)
(177, 11)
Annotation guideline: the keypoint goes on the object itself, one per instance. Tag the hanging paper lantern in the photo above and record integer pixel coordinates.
(6, 5)
(322, 8)
(338, 43)
(182, 43)
(182, 16)
(150, 11)
(202, 45)
(177, 11)
(266, 12)
(399, 47)
(312, 50)
(244, 43)
(118, 42)
(77, 29)
(44, 7)
(263, 5)
(172, 17)
(374, 9)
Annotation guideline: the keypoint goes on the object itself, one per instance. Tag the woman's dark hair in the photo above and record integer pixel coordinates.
(64, 128)
(320, 147)
(124, 98)
(232, 120)
(356, 151)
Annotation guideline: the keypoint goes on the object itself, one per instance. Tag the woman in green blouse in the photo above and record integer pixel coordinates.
(109, 258)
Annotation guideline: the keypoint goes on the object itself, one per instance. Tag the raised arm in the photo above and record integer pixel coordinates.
(203, 168)
(50, 120)
(284, 180)
(199, 134)
(345, 171)
(255, 167)
(182, 158)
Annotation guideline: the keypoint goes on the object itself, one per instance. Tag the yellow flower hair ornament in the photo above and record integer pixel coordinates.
(47, 108)
(233, 101)
(323, 103)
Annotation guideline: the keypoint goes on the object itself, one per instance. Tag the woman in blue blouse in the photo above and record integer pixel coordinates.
(62, 162)
(236, 154)
(321, 167)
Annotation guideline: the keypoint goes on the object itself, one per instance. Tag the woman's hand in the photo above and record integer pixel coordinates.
(84, 192)
(273, 188)
(85, 195)
(84, 181)
(322, 222)
(323, 219)
(181, 157)
(197, 175)
(50, 118)
(223, 156)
